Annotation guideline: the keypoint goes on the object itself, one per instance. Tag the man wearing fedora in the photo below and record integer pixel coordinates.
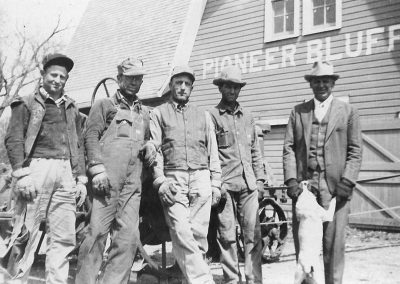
(242, 179)
(188, 175)
(323, 145)
(116, 132)
(44, 146)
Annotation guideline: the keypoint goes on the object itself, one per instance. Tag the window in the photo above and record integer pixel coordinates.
(281, 19)
(321, 15)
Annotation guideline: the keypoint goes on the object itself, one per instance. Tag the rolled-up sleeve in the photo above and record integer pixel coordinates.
(212, 147)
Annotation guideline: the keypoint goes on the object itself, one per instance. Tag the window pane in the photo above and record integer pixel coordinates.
(289, 6)
(277, 6)
(318, 3)
(290, 22)
(331, 14)
(330, 2)
(278, 24)
(318, 16)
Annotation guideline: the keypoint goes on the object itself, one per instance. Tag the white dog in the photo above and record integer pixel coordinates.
(311, 216)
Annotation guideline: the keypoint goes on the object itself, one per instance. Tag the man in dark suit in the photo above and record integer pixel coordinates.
(323, 145)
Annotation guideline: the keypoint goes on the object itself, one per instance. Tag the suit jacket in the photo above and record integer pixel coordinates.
(342, 149)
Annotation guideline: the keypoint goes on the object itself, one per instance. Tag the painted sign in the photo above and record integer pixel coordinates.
(365, 42)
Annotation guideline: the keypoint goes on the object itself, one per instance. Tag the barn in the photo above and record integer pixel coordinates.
(274, 42)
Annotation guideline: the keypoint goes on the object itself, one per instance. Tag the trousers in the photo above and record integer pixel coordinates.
(242, 206)
(56, 205)
(188, 220)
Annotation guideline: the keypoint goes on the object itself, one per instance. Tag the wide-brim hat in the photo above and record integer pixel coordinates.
(231, 74)
(57, 59)
(131, 67)
(183, 69)
(321, 69)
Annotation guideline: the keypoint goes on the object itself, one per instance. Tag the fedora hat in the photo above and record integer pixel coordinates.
(321, 68)
(131, 67)
(231, 74)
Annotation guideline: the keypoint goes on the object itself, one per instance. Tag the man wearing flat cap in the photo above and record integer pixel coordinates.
(242, 179)
(188, 174)
(44, 146)
(323, 145)
(116, 132)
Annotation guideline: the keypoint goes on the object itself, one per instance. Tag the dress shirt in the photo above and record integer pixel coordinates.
(321, 108)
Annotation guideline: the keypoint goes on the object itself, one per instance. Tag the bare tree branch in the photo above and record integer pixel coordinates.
(26, 62)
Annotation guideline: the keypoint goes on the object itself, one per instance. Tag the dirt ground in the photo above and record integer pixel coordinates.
(371, 257)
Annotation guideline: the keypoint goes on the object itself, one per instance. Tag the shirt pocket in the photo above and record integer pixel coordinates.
(223, 139)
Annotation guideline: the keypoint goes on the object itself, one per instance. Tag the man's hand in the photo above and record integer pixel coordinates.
(148, 154)
(101, 184)
(167, 192)
(260, 189)
(216, 196)
(344, 189)
(80, 193)
(293, 189)
(26, 188)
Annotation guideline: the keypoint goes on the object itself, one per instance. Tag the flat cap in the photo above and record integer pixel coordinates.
(131, 67)
(57, 59)
(183, 69)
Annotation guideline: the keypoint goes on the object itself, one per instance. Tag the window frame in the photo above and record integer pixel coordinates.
(269, 35)
(307, 19)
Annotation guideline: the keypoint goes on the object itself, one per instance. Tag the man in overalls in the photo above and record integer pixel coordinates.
(117, 129)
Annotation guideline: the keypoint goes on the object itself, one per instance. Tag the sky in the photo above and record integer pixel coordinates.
(38, 17)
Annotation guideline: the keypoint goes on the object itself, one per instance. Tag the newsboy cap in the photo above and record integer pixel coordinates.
(321, 69)
(131, 67)
(183, 69)
(57, 59)
(231, 74)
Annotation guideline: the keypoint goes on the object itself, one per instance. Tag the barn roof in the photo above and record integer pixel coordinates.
(161, 32)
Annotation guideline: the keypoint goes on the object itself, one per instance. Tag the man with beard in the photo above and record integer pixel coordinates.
(117, 129)
(188, 178)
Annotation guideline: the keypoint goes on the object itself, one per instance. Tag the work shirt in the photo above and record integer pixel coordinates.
(157, 133)
(238, 147)
(101, 116)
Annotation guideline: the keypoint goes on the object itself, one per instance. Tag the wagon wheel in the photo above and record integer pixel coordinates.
(104, 83)
(274, 230)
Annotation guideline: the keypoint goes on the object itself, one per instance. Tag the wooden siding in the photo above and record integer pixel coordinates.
(235, 27)
(111, 31)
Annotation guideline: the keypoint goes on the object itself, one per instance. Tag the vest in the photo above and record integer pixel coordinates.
(317, 142)
(184, 138)
(52, 139)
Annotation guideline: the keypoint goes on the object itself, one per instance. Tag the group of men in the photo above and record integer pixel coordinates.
(196, 159)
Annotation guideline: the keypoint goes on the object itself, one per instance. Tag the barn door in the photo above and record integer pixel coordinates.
(379, 180)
